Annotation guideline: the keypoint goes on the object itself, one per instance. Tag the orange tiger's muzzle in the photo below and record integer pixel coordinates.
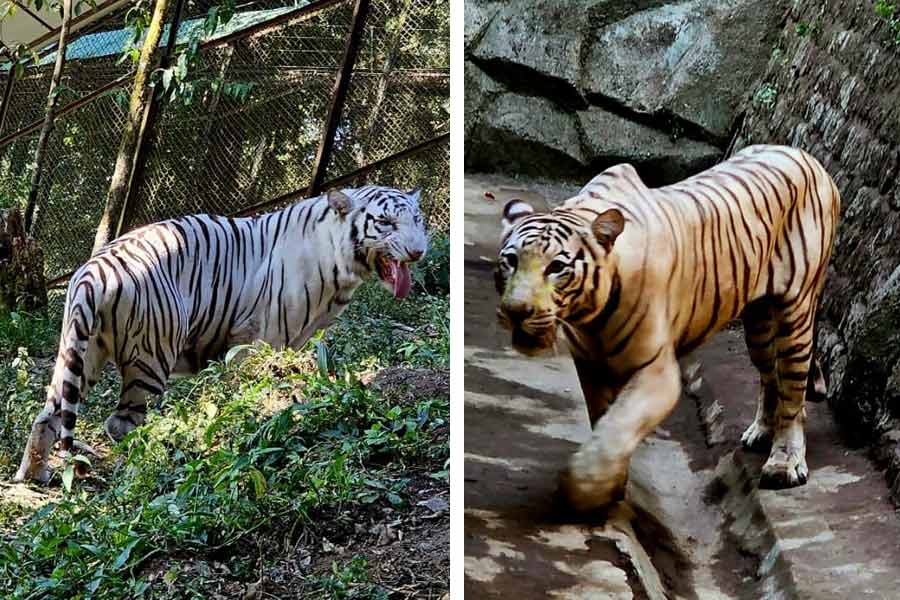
(533, 332)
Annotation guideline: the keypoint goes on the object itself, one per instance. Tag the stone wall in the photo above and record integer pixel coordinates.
(833, 88)
(566, 88)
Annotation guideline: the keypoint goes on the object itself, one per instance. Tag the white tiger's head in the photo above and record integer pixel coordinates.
(553, 267)
(387, 230)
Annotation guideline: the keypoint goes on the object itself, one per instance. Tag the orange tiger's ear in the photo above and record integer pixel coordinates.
(607, 227)
(513, 211)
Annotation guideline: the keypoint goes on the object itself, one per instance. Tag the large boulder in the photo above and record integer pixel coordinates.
(536, 39)
(694, 61)
(525, 134)
(650, 82)
(480, 92)
(610, 138)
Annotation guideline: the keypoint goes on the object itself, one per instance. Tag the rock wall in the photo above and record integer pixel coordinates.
(833, 88)
(566, 88)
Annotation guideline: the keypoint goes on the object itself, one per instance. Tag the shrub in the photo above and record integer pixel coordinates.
(266, 445)
(432, 274)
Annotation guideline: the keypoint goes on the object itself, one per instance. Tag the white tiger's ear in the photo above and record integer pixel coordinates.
(340, 202)
(607, 227)
(415, 195)
(514, 210)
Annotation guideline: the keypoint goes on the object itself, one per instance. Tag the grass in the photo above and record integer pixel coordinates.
(37, 333)
(271, 446)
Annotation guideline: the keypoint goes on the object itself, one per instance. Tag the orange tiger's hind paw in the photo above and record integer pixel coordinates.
(783, 470)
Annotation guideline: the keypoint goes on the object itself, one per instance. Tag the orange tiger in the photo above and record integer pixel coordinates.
(633, 278)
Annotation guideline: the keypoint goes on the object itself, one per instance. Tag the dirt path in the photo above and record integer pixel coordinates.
(694, 524)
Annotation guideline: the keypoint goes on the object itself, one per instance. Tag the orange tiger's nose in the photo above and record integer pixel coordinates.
(517, 313)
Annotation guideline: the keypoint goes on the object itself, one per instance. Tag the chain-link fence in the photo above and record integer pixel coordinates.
(214, 151)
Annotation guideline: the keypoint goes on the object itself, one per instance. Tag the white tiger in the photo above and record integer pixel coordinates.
(167, 298)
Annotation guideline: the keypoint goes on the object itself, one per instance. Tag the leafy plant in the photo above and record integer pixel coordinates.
(265, 441)
(432, 273)
(37, 333)
(349, 581)
(391, 329)
(766, 96)
(889, 12)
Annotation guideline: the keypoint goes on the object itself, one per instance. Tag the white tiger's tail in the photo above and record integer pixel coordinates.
(57, 419)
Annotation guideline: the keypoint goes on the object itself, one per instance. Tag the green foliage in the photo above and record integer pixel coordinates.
(766, 96)
(37, 333)
(432, 273)
(219, 466)
(179, 80)
(378, 330)
(7, 201)
(885, 9)
(890, 12)
(348, 581)
(263, 442)
(20, 400)
(805, 29)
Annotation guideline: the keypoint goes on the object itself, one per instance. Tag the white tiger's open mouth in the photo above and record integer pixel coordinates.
(395, 275)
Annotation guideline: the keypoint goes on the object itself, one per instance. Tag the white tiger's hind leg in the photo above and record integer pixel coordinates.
(138, 386)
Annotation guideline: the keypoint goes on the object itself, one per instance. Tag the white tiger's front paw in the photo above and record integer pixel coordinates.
(592, 482)
(40, 475)
(786, 468)
(757, 437)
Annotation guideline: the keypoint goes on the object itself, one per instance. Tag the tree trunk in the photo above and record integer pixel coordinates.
(50, 112)
(137, 108)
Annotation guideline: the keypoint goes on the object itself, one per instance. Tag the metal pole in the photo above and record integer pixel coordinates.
(349, 177)
(151, 116)
(24, 8)
(31, 128)
(298, 194)
(49, 113)
(341, 85)
(7, 95)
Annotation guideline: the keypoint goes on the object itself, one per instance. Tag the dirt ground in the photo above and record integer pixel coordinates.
(406, 550)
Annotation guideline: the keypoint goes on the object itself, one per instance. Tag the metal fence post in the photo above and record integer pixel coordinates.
(341, 85)
(7, 96)
(151, 116)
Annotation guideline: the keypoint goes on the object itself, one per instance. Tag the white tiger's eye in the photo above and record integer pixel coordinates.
(511, 260)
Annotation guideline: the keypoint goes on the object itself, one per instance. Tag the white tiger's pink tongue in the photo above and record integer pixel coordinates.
(402, 280)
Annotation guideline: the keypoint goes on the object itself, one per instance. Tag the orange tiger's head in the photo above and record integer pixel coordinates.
(553, 267)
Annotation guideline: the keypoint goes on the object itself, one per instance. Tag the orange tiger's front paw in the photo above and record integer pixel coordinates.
(588, 493)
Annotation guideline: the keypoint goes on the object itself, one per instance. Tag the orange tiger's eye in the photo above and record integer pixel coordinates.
(555, 267)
